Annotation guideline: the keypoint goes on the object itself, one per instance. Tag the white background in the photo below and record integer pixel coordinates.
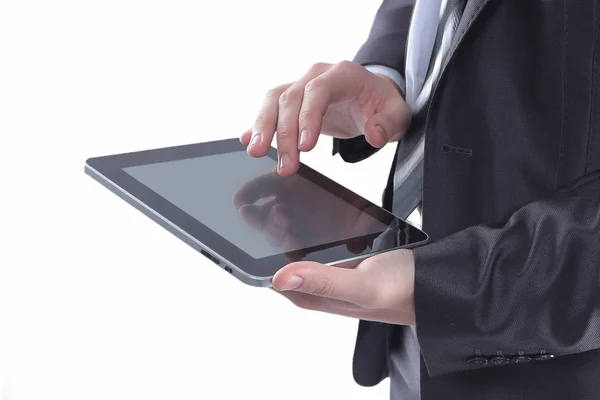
(97, 301)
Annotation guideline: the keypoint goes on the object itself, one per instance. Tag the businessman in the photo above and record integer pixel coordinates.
(494, 109)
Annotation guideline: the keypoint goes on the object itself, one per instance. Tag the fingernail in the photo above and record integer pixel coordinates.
(292, 283)
(303, 137)
(255, 139)
(284, 160)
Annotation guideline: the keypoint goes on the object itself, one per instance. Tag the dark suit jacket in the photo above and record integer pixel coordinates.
(513, 272)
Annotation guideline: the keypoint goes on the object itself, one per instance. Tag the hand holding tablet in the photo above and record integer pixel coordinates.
(381, 288)
(245, 217)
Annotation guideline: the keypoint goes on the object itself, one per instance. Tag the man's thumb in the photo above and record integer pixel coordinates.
(388, 124)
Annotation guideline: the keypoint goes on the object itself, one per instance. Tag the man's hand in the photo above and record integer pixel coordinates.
(342, 100)
(380, 289)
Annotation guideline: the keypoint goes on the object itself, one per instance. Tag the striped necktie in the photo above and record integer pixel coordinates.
(408, 177)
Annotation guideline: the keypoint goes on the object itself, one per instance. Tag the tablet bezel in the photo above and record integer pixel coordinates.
(112, 167)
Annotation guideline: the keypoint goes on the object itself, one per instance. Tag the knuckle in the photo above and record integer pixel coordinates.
(319, 67)
(272, 93)
(314, 85)
(321, 287)
(262, 120)
(283, 133)
(293, 94)
(276, 91)
(306, 115)
(346, 65)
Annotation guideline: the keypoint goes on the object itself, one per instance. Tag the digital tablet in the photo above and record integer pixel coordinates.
(237, 211)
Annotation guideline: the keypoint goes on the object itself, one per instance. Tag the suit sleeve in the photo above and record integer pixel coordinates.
(385, 46)
(529, 287)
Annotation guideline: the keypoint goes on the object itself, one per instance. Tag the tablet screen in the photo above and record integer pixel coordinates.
(246, 202)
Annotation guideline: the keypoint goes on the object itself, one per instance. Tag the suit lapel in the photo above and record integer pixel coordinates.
(472, 10)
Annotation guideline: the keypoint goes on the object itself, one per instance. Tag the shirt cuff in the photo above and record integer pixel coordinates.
(390, 73)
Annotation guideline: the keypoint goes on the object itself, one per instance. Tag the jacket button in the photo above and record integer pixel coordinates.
(543, 357)
(477, 360)
(521, 359)
(499, 360)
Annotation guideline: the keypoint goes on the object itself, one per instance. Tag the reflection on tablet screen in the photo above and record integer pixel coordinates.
(247, 203)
